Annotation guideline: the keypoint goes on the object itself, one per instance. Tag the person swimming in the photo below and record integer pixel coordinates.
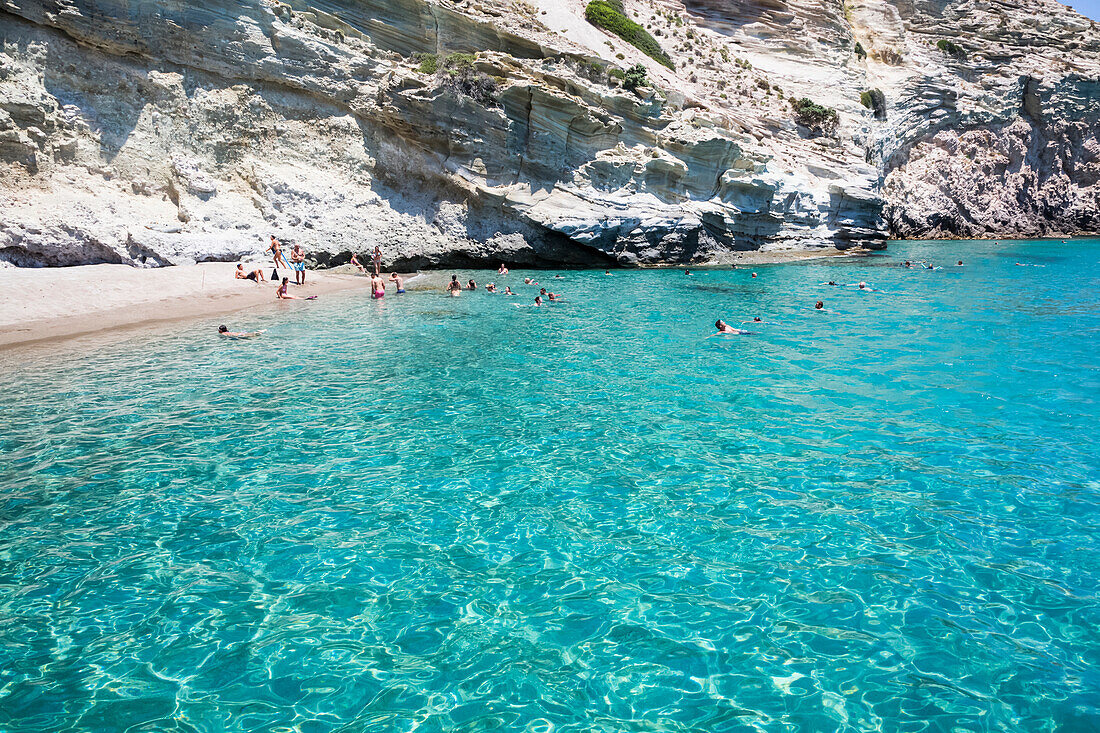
(819, 305)
(223, 331)
(754, 274)
(538, 300)
(725, 328)
(508, 290)
(959, 263)
(471, 285)
(491, 288)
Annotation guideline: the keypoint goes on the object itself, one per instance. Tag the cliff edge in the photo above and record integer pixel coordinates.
(474, 132)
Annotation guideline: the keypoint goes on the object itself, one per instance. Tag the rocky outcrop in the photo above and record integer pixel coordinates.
(157, 133)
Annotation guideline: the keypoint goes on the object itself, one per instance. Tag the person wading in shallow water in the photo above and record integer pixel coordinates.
(454, 287)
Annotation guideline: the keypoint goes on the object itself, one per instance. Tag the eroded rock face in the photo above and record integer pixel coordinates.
(159, 133)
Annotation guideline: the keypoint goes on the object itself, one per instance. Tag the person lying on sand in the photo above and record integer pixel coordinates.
(282, 293)
(223, 331)
(256, 276)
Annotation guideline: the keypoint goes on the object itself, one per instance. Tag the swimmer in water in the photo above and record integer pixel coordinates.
(554, 297)
(754, 274)
(491, 288)
(607, 272)
(471, 285)
(866, 288)
(538, 300)
(820, 305)
(223, 331)
(959, 263)
(725, 328)
(508, 290)
(454, 287)
(502, 270)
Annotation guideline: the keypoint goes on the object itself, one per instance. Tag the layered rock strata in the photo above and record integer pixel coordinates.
(152, 133)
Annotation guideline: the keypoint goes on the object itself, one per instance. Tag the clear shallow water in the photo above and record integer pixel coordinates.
(459, 514)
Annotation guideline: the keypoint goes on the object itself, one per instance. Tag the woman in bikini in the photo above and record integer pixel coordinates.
(276, 251)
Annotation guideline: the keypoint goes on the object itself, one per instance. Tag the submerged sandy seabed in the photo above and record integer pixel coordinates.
(41, 304)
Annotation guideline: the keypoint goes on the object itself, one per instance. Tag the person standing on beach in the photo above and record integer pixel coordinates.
(298, 263)
(377, 260)
(276, 251)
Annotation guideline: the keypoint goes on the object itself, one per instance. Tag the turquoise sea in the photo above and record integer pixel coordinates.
(441, 514)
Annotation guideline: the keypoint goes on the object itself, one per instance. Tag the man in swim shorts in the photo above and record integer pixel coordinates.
(377, 287)
(256, 276)
(298, 263)
(398, 281)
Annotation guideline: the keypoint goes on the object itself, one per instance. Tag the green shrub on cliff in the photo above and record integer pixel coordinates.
(635, 77)
(860, 51)
(875, 100)
(814, 116)
(429, 63)
(609, 15)
(951, 48)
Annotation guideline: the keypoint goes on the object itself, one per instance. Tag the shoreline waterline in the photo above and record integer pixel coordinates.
(49, 304)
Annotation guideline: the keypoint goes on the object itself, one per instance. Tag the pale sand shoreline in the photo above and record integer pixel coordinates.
(48, 304)
(43, 304)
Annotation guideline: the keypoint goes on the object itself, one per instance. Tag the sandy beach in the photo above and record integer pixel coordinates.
(38, 304)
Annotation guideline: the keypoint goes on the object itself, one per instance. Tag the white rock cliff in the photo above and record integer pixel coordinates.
(159, 133)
